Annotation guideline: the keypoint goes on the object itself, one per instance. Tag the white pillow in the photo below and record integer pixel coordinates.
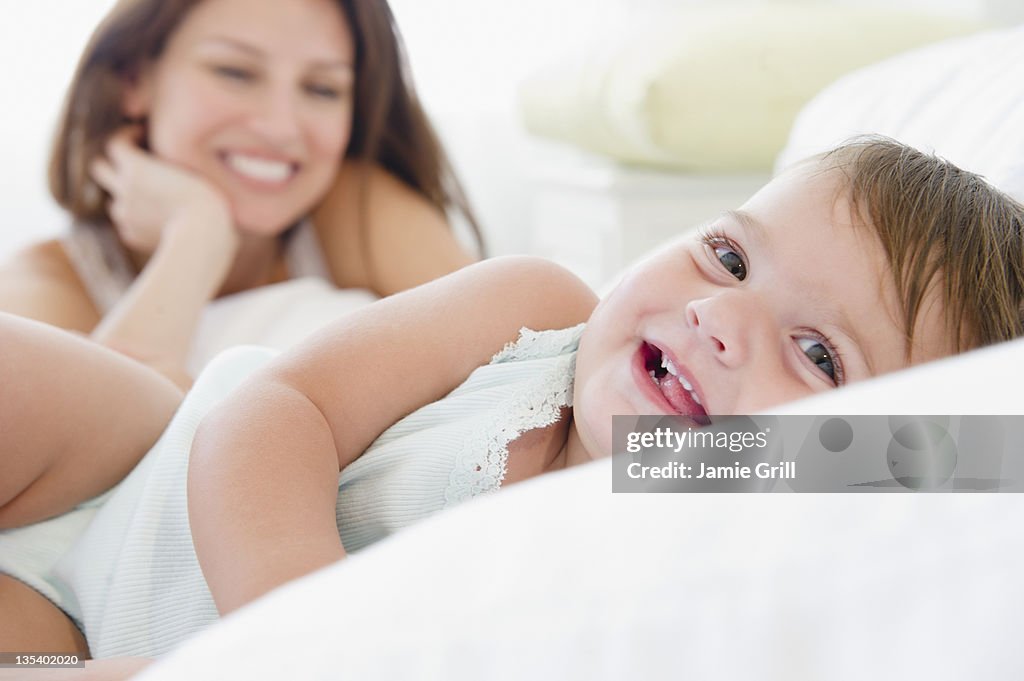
(558, 578)
(714, 88)
(963, 99)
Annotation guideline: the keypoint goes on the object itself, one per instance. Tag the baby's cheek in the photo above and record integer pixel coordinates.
(766, 394)
(592, 415)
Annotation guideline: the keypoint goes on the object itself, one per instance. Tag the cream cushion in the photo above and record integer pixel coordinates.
(714, 88)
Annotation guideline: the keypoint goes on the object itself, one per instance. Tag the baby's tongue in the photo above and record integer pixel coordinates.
(677, 395)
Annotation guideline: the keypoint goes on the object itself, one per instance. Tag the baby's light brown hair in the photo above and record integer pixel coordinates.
(940, 226)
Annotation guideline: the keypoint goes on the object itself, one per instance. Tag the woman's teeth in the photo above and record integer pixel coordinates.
(260, 169)
(668, 366)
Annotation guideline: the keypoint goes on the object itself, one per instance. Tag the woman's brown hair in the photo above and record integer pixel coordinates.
(389, 129)
(940, 226)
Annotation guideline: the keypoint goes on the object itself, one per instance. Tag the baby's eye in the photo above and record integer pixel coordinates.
(822, 357)
(727, 252)
(731, 260)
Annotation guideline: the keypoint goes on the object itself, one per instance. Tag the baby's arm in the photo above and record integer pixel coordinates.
(263, 475)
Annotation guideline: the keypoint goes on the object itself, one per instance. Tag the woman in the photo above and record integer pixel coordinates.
(197, 139)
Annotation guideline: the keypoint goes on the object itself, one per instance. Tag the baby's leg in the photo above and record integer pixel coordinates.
(75, 418)
(31, 623)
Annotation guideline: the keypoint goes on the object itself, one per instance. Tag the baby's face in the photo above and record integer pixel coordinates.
(782, 299)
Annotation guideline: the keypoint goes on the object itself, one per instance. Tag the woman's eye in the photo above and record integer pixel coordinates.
(731, 261)
(233, 73)
(323, 91)
(820, 356)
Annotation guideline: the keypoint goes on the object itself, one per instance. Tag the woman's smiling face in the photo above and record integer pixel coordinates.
(781, 299)
(256, 97)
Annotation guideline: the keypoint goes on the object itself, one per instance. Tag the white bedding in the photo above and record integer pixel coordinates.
(557, 578)
(276, 316)
(962, 99)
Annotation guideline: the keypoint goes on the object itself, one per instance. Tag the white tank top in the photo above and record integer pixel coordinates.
(100, 262)
(276, 316)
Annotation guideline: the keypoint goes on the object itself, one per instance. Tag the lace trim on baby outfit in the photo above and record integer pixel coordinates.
(481, 465)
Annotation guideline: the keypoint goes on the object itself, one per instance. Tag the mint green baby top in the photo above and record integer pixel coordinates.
(123, 565)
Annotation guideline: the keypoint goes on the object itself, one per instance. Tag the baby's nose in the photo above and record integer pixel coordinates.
(731, 324)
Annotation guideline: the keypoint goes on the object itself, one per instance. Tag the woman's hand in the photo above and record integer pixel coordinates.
(184, 226)
(149, 195)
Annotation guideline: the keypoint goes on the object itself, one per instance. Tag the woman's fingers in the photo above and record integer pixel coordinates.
(123, 147)
(123, 154)
(105, 175)
(117, 211)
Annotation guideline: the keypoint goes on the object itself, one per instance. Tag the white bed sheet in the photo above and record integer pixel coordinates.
(558, 578)
(962, 99)
(276, 316)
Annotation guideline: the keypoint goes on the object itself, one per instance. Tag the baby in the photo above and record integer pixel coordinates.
(859, 262)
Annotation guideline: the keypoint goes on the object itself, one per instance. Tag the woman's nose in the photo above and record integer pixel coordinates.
(731, 323)
(277, 119)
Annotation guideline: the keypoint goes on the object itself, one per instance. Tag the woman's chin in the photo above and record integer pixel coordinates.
(261, 226)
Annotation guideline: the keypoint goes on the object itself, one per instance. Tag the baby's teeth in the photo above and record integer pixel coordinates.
(667, 364)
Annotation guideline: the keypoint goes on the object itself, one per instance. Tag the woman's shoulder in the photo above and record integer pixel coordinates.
(380, 186)
(42, 257)
(363, 190)
(39, 282)
(379, 233)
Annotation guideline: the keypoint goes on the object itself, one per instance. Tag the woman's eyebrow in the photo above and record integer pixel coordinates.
(243, 46)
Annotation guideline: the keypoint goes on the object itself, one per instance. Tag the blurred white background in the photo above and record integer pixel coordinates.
(467, 58)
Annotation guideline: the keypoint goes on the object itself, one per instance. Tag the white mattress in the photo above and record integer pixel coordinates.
(557, 578)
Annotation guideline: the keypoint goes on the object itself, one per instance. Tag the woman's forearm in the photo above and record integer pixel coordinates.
(156, 320)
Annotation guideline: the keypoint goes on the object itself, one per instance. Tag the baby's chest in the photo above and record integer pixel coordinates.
(533, 452)
(411, 478)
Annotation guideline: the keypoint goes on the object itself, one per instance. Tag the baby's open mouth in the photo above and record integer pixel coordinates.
(676, 389)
